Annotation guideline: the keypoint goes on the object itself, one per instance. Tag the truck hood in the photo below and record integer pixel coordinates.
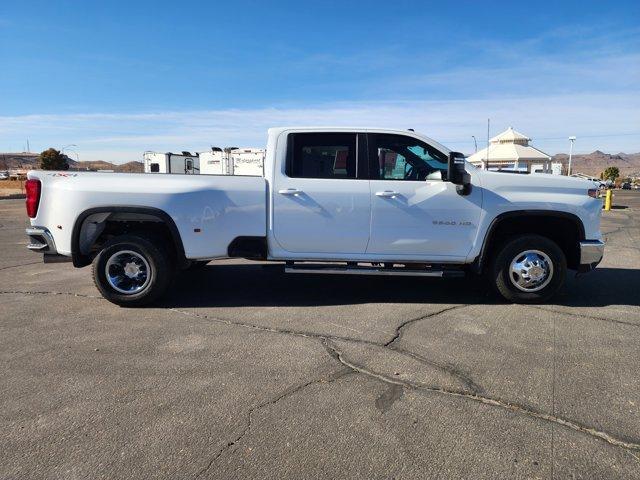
(534, 182)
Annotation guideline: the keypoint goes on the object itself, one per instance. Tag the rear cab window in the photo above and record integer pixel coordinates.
(326, 155)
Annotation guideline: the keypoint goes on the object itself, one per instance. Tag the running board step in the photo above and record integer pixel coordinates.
(354, 270)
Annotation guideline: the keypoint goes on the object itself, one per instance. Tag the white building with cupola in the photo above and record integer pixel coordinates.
(510, 150)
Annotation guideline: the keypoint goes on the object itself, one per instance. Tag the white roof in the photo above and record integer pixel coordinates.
(509, 146)
(511, 136)
(508, 152)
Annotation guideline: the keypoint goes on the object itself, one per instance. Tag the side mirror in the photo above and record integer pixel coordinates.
(458, 174)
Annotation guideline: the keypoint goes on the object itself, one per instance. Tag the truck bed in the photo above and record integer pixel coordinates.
(209, 211)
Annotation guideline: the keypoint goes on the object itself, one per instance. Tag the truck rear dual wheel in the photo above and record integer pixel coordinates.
(132, 270)
(529, 269)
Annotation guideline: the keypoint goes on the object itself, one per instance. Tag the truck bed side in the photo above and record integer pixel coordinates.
(209, 211)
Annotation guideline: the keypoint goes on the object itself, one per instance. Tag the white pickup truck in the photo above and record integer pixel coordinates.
(332, 200)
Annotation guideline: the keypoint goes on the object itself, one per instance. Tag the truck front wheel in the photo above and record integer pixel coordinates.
(529, 269)
(131, 271)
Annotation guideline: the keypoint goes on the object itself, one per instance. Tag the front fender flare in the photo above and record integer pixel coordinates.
(480, 260)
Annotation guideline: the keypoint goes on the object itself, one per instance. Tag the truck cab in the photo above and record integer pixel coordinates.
(345, 195)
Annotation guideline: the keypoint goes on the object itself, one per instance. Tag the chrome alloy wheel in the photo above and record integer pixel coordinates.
(128, 272)
(531, 270)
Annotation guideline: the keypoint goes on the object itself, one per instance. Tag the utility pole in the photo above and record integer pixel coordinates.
(488, 143)
(571, 139)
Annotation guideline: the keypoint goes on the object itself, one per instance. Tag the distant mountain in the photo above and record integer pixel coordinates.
(596, 162)
(27, 161)
(9, 161)
(130, 167)
(91, 165)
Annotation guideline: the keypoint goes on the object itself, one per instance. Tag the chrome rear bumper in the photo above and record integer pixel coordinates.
(40, 240)
(591, 253)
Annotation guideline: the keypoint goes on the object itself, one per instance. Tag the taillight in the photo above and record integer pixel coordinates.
(32, 188)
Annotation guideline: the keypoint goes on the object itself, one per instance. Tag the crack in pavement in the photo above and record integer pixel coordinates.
(282, 331)
(450, 369)
(513, 407)
(80, 295)
(406, 323)
(464, 378)
(473, 395)
(447, 369)
(21, 265)
(332, 377)
(590, 317)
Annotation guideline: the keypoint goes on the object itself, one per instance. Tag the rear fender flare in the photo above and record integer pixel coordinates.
(80, 260)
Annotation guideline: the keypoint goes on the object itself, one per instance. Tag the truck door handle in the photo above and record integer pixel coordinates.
(289, 191)
(387, 194)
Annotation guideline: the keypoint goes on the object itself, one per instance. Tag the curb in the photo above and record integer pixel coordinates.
(13, 196)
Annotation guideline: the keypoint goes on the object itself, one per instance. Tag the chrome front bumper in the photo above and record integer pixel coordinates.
(591, 253)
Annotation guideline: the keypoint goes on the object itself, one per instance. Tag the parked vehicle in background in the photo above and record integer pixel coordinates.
(333, 201)
(4, 175)
(237, 161)
(177, 163)
(626, 186)
(247, 161)
(214, 162)
(598, 182)
(18, 174)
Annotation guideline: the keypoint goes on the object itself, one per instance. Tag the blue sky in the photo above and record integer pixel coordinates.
(118, 78)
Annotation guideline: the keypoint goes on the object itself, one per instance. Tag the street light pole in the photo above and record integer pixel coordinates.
(67, 146)
(475, 142)
(571, 139)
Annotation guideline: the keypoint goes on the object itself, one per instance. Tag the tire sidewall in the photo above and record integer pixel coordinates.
(159, 266)
(509, 250)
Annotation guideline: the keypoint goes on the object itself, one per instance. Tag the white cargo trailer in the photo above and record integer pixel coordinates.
(247, 161)
(179, 163)
(236, 161)
(214, 162)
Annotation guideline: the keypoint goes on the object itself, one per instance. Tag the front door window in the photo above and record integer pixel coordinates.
(397, 157)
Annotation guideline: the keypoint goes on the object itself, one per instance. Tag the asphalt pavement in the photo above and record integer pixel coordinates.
(245, 372)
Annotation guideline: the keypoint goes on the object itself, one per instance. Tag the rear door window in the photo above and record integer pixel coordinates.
(322, 155)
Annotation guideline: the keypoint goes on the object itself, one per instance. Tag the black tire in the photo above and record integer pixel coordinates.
(157, 278)
(505, 280)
